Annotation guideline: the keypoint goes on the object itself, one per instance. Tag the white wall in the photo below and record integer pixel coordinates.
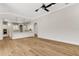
(1, 31)
(62, 25)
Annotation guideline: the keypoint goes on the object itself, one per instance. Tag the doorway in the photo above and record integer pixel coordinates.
(21, 28)
(35, 29)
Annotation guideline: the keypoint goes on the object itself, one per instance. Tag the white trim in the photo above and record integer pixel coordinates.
(17, 15)
(53, 37)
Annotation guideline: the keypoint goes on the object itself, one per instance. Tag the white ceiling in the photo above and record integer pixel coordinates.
(27, 10)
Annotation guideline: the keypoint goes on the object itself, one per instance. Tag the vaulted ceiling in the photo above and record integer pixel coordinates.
(26, 10)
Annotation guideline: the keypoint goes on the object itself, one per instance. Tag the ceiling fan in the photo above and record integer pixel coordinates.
(45, 7)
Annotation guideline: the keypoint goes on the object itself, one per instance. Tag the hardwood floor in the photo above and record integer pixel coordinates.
(37, 47)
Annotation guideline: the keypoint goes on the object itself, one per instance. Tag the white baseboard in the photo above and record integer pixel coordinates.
(59, 38)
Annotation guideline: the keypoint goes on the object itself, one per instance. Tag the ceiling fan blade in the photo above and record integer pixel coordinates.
(46, 9)
(50, 5)
(36, 10)
(43, 5)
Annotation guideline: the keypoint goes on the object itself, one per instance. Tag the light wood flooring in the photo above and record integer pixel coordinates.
(36, 47)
